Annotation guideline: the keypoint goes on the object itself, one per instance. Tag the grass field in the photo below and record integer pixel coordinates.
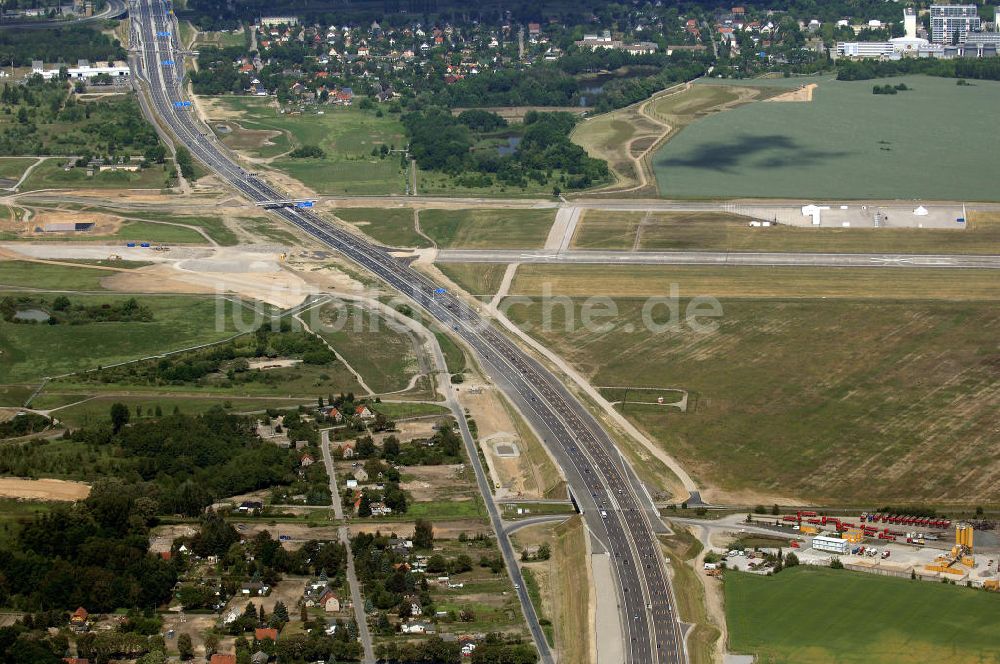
(480, 279)
(347, 135)
(97, 410)
(214, 226)
(792, 617)
(819, 149)
(11, 168)
(757, 282)
(26, 274)
(392, 227)
(623, 135)
(51, 175)
(833, 401)
(681, 231)
(382, 355)
(495, 229)
(33, 351)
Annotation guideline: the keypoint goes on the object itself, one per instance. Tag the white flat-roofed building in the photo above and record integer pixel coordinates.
(864, 49)
(951, 22)
(831, 545)
(273, 21)
(84, 70)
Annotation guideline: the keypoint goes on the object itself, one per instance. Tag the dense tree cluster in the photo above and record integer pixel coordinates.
(93, 554)
(440, 141)
(24, 424)
(180, 463)
(974, 68)
(227, 364)
(63, 44)
(62, 311)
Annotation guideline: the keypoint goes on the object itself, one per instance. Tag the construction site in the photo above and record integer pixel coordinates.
(902, 545)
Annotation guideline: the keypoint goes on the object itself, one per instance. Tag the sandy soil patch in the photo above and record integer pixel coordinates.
(193, 625)
(47, 489)
(805, 93)
(104, 224)
(249, 272)
(437, 482)
(288, 591)
(272, 364)
(162, 538)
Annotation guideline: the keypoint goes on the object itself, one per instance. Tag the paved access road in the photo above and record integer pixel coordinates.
(114, 9)
(617, 510)
(760, 259)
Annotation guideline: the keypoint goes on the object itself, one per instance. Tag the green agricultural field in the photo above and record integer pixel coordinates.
(824, 400)
(30, 352)
(685, 231)
(494, 229)
(479, 279)
(819, 149)
(51, 175)
(382, 355)
(392, 227)
(805, 615)
(25, 274)
(399, 410)
(347, 135)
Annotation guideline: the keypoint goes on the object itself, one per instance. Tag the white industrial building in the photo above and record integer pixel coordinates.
(83, 70)
(831, 545)
(972, 42)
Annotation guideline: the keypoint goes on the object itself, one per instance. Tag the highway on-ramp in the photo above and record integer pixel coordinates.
(617, 510)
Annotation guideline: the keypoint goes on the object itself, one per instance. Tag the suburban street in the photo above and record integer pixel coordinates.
(352, 578)
(616, 509)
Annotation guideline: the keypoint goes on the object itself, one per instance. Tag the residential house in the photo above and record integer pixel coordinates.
(78, 620)
(361, 475)
(76, 660)
(307, 460)
(413, 628)
(259, 657)
(262, 633)
(352, 484)
(331, 411)
(255, 589)
(330, 602)
(220, 658)
(364, 412)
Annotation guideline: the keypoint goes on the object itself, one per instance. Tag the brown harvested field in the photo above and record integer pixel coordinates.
(758, 282)
(805, 93)
(564, 584)
(195, 626)
(45, 489)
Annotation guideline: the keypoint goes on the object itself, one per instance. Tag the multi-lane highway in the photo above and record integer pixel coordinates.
(617, 510)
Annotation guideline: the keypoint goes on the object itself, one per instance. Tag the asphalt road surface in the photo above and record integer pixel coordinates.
(771, 259)
(617, 510)
(114, 9)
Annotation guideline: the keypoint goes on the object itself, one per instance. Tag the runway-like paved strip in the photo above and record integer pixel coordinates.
(772, 259)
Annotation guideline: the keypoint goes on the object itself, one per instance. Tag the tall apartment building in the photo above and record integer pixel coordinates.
(949, 21)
